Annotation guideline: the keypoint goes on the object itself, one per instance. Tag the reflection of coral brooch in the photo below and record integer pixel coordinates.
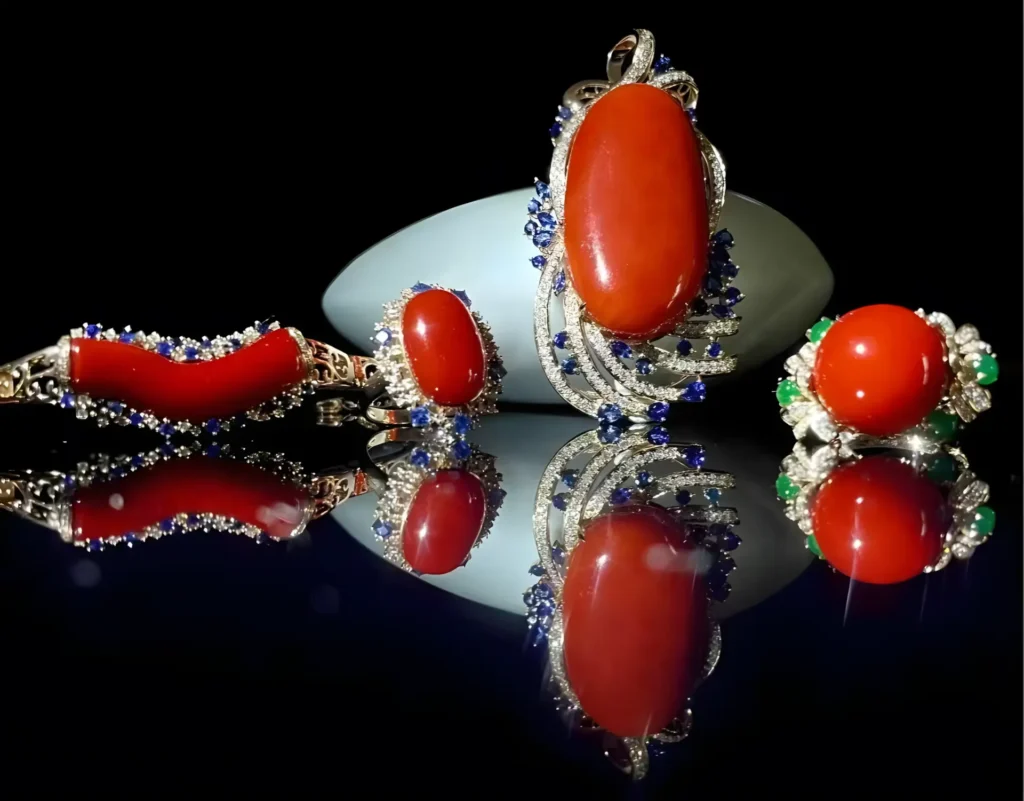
(888, 374)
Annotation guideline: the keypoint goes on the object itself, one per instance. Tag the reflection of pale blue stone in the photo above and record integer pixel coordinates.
(499, 572)
(480, 247)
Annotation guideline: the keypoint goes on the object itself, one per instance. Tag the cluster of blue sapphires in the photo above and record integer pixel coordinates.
(180, 349)
(541, 229)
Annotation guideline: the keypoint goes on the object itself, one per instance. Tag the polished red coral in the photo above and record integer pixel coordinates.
(636, 620)
(194, 391)
(444, 521)
(636, 217)
(224, 487)
(443, 344)
(880, 369)
(879, 521)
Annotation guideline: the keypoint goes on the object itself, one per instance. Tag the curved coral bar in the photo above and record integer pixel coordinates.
(189, 390)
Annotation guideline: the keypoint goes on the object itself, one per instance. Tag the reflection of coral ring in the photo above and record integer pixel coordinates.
(626, 230)
(884, 518)
(630, 555)
(888, 373)
(438, 501)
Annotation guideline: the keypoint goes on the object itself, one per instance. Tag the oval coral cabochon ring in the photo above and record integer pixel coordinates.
(629, 254)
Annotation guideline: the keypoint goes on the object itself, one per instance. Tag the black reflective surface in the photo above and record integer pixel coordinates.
(315, 664)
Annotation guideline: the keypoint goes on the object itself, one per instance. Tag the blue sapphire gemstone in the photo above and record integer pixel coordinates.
(69, 482)
(166, 430)
(722, 312)
(609, 434)
(419, 417)
(497, 370)
(560, 501)
(560, 282)
(684, 348)
(496, 496)
(644, 366)
(461, 295)
(263, 328)
(116, 407)
(212, 425)
(543, 189)
(213, 452)
(95, 545)
(135, 419)
(560, 339)
(127, 337)
(533, 206)
(725, 565)
(537, 637)
(658, 412)
(558, 555)
(724, 238)
(381, 529)
(699, 307)
(420, 457)
(692, 114)
(530, 228)
(92, 330)
(729, 270)
(565, 113)
(167, 524)
(609, 413)
(117, 472)
(136, 461)
(544, 611)
(729, 541)
(528, 598)
(694, 392)
(462, 450)
(713, 494)
(164, 348)
(205, 343)
(67, 400)
(621, 349)
(461, 424)
(712, 285)
(715, 578)
(537, 570)
(538, 261)
(683, 497)
(733, 296)
(167, 449)
(569, 477)
(662, 64)
(569, 366)
(714, 350)
(262, 538)
(193, 520)
(694, 456)
(236, 344)
(644, 479)
(547, 220)
(543, 592)
(191, 354)
(542, 239)
(382, 337)
(419, 286)
(130, 538)
(721, 593)
(658, 436)
(555, 130)
(621, 495)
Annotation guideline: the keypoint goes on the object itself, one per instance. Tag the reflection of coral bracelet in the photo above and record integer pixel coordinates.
(186, 385)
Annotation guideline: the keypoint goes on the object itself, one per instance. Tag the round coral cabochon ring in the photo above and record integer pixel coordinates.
(887, 372)
(633, 272)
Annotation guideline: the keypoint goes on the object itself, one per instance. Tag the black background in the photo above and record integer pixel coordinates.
(191, 175)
